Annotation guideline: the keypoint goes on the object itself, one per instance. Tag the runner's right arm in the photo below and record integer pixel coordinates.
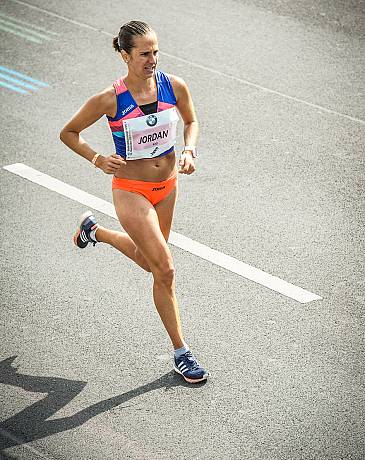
(93, 109)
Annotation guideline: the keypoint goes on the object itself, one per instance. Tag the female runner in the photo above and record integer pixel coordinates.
(141, 111)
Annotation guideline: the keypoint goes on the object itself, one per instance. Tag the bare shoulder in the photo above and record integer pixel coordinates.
(105, 101)
(179, 86)
(175, 80)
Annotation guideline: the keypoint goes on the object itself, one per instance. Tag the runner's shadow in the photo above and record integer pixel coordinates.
(31, 423)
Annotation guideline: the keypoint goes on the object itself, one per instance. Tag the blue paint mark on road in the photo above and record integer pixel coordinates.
(20, 83)
(24, 77)
(14, 88)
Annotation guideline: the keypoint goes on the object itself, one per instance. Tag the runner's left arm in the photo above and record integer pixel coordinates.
(185, 106)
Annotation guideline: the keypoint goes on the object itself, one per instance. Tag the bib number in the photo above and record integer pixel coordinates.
(151, 135)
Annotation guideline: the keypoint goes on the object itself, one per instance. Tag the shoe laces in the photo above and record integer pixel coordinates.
(190, 360)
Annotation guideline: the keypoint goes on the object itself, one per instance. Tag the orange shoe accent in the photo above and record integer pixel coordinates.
(153, 191)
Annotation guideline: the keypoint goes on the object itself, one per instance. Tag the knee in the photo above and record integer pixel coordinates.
(164, 274)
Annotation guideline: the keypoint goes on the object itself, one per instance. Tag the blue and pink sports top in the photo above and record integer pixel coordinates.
(137, 135)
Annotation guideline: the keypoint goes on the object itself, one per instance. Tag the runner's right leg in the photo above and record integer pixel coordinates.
(86, 234)
(123, 243)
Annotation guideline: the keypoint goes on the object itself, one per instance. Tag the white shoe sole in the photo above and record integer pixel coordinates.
(84, 216)
(205, 377)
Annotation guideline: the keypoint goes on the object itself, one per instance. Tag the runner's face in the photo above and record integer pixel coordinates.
(144, 56)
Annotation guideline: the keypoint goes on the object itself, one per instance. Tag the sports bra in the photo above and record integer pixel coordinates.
(146, 131)
(147, 109)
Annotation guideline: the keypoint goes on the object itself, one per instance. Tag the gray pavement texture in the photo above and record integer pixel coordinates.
(85, 365)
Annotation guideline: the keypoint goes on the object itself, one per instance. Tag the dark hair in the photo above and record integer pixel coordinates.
(125, 39)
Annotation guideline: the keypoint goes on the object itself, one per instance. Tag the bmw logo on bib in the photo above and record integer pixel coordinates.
(151, 120)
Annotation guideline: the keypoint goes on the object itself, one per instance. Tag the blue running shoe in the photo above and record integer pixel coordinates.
(85, 234)
(187, 366)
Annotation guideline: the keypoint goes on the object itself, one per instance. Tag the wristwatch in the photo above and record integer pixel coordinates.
(192, 149)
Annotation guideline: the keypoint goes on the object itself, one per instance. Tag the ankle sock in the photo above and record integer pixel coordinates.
(93, 234)
(180, 351)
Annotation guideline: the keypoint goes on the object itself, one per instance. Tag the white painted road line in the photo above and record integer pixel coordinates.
(62, 188)
(199, 66)
(180, 241)
(242, 269)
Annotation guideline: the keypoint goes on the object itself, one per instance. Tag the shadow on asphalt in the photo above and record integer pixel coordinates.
(31, 423)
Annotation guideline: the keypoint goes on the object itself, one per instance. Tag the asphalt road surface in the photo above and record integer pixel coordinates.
(85, 364)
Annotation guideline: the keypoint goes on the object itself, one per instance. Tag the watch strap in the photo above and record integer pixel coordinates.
(192, 149)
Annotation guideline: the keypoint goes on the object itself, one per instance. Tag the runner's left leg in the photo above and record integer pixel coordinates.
(140, 219)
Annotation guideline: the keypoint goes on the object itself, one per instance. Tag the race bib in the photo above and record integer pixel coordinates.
(151, 135)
